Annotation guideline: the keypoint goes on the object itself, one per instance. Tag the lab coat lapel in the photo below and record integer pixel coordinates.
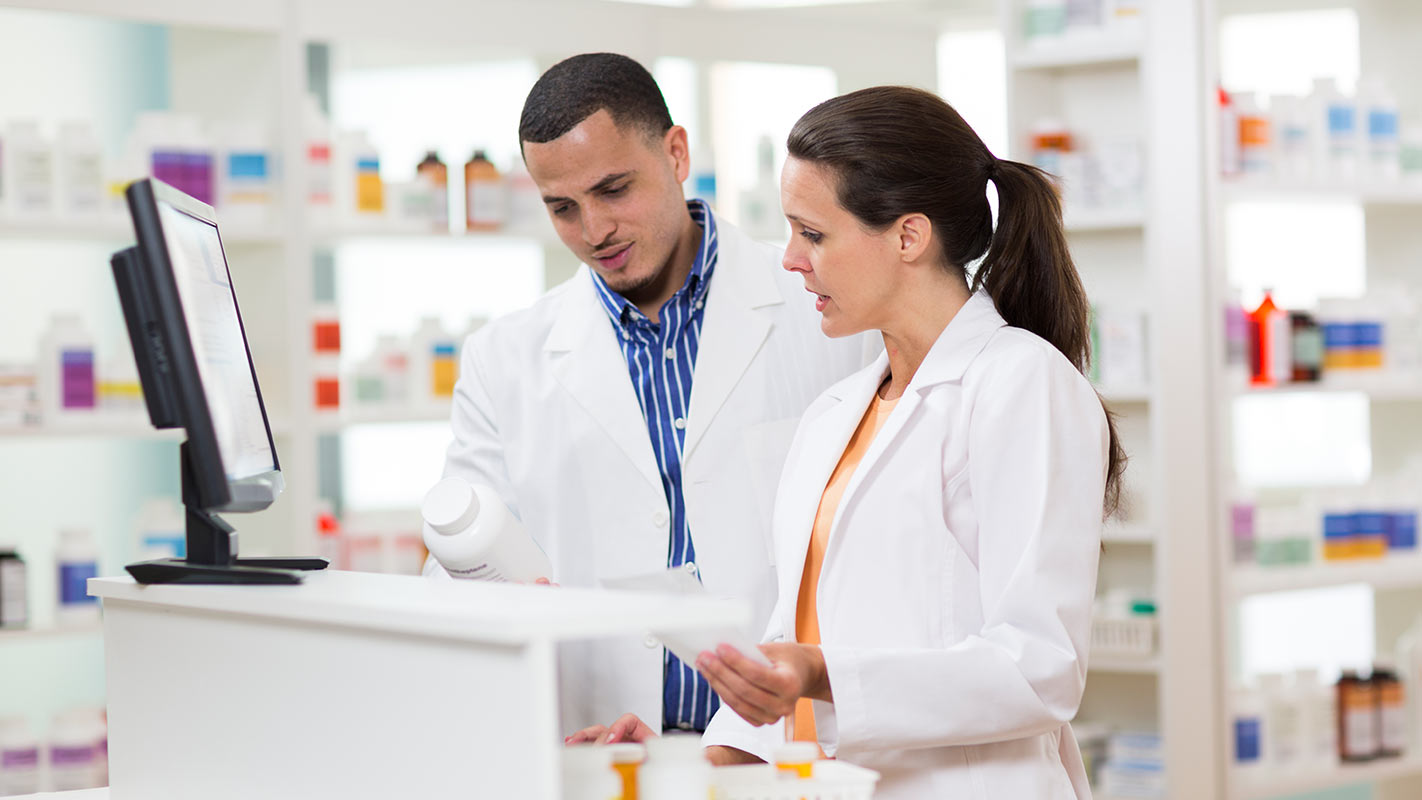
(822, 441)
(732, 332)
(587, 361)
(956, 347)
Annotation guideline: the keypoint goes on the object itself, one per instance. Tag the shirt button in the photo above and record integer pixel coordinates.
(680, 423)
(700, 303)
(651, 642)
(660, 519)
(626, 335)
(671, 353)
(689, 566)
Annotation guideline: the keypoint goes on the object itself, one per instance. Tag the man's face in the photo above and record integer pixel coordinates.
(614, 194)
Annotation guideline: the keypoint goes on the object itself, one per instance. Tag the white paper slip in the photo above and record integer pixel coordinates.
(687, 645)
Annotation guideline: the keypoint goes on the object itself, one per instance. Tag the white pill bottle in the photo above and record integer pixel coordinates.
(471, 533)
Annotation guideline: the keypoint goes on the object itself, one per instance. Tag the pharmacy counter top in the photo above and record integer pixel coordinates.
(81, 794)
(467, 610)
(355, 686)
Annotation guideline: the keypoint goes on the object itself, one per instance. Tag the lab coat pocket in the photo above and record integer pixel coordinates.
(766, 444)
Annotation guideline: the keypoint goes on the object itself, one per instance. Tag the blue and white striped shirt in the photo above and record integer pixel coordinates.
(661, 358)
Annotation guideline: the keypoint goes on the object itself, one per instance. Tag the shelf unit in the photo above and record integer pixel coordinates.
(1388, 31)
(1130, 83)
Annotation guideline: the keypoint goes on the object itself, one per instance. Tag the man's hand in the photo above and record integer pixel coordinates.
(760, 694)
(627, 728)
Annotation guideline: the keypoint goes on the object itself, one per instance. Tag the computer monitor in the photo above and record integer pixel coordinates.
(197, 373)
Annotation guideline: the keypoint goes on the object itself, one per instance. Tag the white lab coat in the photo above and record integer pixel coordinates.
(545, 413)
(955, 595)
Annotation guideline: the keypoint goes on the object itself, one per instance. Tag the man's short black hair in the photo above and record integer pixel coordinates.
(576, 88)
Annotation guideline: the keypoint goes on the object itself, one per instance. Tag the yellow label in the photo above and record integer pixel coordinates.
(1370, 547)
(1339, 550)
(370, 192)
(802, 770)
(443, 373)
(1368, 359)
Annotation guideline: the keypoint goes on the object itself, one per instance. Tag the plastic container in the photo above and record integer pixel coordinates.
(1391, 711)
(1292, 135)
(29, 170)
(627, 760)
(588, 774)
(1256, 143)
(1248, 724)
(77, 560)
(319, 173)
(74, 751)
(162, 529)
(19, 757)
(246, 180)
(486, 206)
(1357, 718)
(14, 589)
(1336, 115)
(433, 363)
(394, 360)
(433, 175)
(65, 375)
(1229, 133)
(79, 172)
(797, 759)
(1270, 351)
(832, 780)
(473, 535)
(1318, 717)
(1282, 728)
(365, 161)
(676, 769)
(1379, 132)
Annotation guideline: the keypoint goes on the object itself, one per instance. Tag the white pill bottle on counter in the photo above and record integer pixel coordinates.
(471, 533)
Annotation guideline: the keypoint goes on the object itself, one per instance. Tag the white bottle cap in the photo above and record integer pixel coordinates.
(450, 506)
(675, 747)
(797, 753)
(626, 752)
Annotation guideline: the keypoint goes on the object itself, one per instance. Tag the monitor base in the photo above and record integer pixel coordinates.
(245, 570)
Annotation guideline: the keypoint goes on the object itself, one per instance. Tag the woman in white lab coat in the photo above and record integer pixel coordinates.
(937, 525)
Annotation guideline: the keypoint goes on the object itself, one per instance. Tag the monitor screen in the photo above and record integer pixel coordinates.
(219, 347)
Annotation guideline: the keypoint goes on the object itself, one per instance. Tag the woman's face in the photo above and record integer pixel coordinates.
(852, 272)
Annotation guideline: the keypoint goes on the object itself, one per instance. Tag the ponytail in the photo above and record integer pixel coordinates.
(898, 150)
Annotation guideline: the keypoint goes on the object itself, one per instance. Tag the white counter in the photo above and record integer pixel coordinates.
(352, 685)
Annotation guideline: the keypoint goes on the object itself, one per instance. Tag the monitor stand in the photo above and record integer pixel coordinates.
(212, 552)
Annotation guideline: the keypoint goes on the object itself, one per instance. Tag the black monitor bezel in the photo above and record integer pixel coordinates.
(185, 381)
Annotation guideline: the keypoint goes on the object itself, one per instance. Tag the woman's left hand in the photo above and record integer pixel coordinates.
(760, 694)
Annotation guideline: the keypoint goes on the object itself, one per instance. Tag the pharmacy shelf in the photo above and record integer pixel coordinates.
(1264, 782)
(1400, 193)
(26, 635)
(1105, 220)
(255, 16)
(407, 232)
(1079, 50)
(1116, 665)
(120, 231)
(98, 425)
(1389, 572)
(331, 422)
(1125, 395)
(1127, 534)
(1377, 386)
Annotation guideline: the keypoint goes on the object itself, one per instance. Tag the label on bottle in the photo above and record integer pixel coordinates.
(84, 183)
(76, 378)
(443, 371)
(1382, 126)
(318, 173)
(73, 582)
(1392, 712)
(483, 571)
(486, 203)
(13, 599)
(1246, 739)
(1360, 724)
(370, 192)
(33, 179)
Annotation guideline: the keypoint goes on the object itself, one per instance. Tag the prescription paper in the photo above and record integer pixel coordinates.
(687, 645)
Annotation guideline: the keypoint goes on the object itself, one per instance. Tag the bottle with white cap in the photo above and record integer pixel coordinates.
(676, 769)
(472, 534)
(588, 774)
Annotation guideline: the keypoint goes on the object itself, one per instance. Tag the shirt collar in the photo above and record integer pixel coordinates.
(698, 281)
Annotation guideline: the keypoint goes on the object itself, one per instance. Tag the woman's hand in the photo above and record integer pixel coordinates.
(627, 728)
(760, 694)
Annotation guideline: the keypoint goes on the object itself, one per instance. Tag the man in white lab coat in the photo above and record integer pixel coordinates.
(637, 416)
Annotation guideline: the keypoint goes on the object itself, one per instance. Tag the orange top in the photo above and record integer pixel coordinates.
(807, 621)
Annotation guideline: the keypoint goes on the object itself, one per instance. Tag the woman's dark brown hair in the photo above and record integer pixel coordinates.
(895, 150)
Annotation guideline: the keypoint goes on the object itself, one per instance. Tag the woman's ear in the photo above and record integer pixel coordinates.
(915, 233)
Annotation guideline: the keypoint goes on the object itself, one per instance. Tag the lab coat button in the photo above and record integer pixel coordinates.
(660, 519)
(651, 642)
